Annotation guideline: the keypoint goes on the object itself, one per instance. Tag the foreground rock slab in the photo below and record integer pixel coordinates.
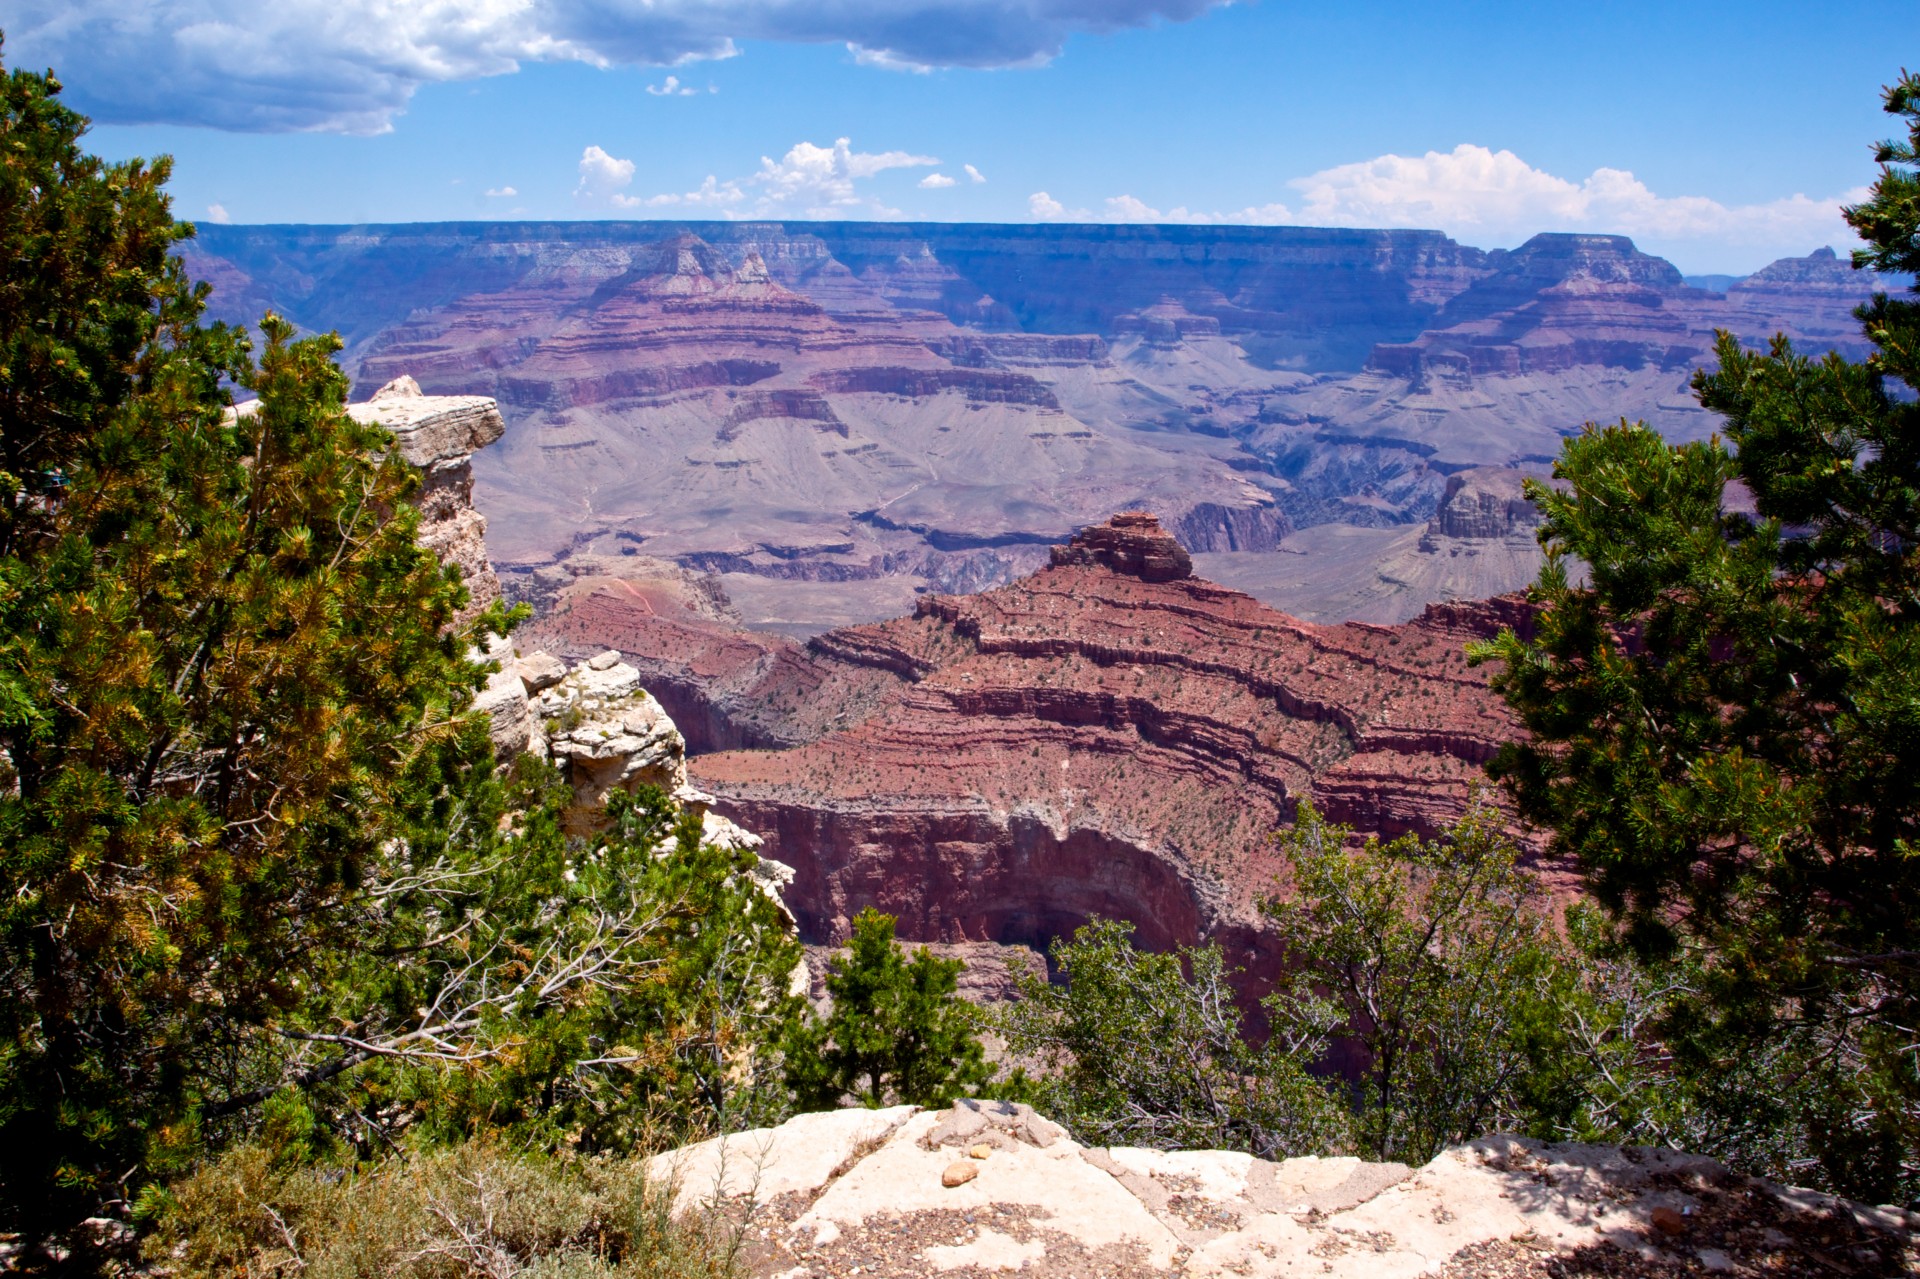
(861, 1192)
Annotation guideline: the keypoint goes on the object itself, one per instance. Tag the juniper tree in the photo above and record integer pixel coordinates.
(1724, 723)
(896, 1033)
(223, 656)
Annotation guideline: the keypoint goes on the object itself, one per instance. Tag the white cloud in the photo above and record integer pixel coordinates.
(601, 178)
(1047, 209)
(1485, 195)
(935, 182)
(1495, 199)
(821, 180)
(217, 213)
(501, 193)
(713, 193)
(352, 65)
(973, 174)
(1125, 208)
(808, 181)
(672, 88)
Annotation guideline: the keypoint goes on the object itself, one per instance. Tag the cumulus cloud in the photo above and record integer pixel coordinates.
(712, 194)
(1047, 209)
(601, 178)
(672, 88)
(808, 181)
(935, 182)
(821, 180)
(973, 174)
(352, 65)
(217, 213)
(500, 193)
(1495, 199)
(1477, 192)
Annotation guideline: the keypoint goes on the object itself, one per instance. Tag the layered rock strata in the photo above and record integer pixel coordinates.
(986, 1187)
(1003, 767)
(931, 407)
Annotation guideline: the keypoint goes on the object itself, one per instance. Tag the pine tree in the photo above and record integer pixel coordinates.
(224, 659)
(1725, 723)
(897, 1032)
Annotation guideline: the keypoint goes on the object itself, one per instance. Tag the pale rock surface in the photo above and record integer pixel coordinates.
(608, 733)
(440, 434)
(511, 722)
(859, 1192)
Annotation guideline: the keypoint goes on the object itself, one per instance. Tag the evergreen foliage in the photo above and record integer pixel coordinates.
(1142, 1049)
(600, 996)
(259, 878)
(222, 654)
(1432, 959)
(896, 1033)
(1725, 721)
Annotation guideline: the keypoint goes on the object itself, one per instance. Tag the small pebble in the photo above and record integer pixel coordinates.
(958, 1174)
(1668, 1221)
(980, 1151)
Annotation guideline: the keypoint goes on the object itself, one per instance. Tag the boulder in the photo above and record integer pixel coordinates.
(836, 1192)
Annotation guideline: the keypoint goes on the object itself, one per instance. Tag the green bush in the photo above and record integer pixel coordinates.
(1141, 1049)
(896, 1033)
(1431, 959)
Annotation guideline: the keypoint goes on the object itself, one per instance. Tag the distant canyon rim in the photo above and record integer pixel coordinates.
(826, 421)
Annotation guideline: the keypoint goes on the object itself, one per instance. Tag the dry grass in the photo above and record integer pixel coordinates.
(472, 1212)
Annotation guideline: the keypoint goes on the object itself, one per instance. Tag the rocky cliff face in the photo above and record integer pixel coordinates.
(933, 406)
(439, 434)
(991, 1186)
(1108, 737)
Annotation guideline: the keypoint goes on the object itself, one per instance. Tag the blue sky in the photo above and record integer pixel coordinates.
(1721, 136)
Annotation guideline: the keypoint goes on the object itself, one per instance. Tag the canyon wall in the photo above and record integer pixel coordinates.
(1109, 736)
(913, 407)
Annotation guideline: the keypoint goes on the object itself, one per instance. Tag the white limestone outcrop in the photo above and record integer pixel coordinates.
(885, 1191)
(439, 434)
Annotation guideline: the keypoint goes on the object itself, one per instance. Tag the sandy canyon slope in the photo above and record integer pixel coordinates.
(837, 416)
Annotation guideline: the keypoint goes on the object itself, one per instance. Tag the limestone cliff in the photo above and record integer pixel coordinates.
(439, 434)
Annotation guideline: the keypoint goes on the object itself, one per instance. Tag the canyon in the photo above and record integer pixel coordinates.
(834, 419)
(1107, 736)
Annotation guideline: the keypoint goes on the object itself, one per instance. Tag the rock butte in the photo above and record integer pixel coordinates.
(896, 1192)
(1106, 737)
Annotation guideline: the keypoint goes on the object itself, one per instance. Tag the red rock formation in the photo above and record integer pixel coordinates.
(1105, 737)
(1132, 543)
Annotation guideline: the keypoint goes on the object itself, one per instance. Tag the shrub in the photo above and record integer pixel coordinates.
(897, 1032)
(471, 1210)
(1141, 1049)
(1429, 956)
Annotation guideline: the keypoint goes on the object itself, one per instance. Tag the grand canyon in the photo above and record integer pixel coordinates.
(833, 418)
(1004, 578)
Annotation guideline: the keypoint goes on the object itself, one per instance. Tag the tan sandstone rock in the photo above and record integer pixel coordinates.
(834, 1188)
(440, 434)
